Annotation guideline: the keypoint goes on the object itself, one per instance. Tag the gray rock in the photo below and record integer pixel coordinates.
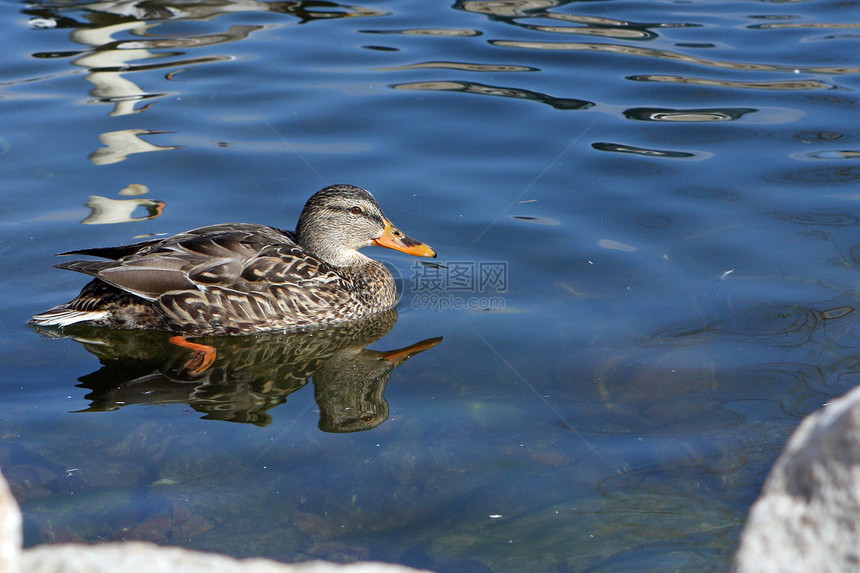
(808, 515)
(10, 530)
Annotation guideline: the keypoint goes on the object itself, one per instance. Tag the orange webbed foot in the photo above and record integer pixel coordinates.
(203, 358)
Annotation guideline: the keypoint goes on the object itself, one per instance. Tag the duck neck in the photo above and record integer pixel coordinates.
(373, 283)
(338, 257)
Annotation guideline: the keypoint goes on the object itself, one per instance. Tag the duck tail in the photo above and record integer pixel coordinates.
(60, 316)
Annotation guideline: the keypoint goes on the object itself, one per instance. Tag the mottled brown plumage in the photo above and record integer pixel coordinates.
(240, 278)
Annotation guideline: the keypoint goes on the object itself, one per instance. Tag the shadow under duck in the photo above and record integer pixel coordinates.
(240, 278)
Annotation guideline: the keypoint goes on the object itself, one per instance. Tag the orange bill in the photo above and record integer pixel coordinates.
(394, 238)
(400, 356)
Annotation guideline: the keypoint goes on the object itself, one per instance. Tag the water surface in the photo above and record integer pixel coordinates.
(646, 215)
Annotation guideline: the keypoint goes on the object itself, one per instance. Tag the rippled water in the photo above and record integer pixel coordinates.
(646, 215)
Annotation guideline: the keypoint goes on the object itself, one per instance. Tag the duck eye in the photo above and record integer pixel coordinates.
(356, 210)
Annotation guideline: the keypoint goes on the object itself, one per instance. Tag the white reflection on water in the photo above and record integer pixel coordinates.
(120, 144)
(107, 211)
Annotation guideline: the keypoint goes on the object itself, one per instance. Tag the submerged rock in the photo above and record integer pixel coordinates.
(136, 556)
(808, 515)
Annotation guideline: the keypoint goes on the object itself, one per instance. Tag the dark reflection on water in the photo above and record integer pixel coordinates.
(807, 25)
(463, 66)
(657, 114)
(620, 31)
(787, 85)
(251, 375)
(443, 32)
(834, 154)
(511, 11)
(482, 89)
(622, 49)
(505, 9)
(621, 148)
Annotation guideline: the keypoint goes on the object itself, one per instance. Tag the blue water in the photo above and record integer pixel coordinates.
(646, 216)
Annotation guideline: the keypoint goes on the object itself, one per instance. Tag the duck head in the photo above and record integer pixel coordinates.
(340, 219)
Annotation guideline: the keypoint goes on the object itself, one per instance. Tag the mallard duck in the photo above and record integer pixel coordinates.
(240, 278)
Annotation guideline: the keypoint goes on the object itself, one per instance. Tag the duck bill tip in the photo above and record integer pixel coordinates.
(393, 238)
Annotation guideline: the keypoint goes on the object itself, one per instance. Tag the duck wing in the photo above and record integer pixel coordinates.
(113, 253)
(206, 257)
(281, 287)
(226, 279)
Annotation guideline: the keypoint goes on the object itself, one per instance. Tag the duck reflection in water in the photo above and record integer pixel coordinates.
(252, 374)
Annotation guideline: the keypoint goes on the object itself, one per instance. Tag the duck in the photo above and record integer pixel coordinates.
(241, 278)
